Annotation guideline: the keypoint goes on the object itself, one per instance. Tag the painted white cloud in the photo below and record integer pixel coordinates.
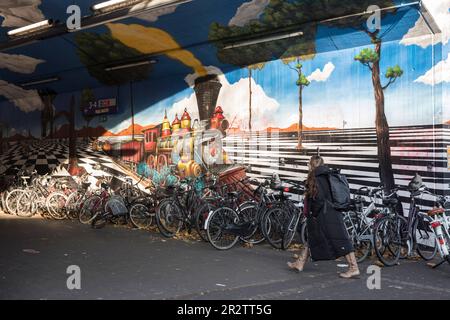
(25, 100)
(441, 72)
(233, 98)
(322, 75)
(153, 15)
(248, 11)
(18, 63)
(18, 13)
(420, 35)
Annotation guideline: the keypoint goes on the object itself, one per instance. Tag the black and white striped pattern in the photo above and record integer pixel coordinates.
(421, 149)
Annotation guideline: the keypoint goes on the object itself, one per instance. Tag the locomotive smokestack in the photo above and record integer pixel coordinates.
(207, 91)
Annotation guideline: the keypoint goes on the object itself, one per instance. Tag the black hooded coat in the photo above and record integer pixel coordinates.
(327, 236)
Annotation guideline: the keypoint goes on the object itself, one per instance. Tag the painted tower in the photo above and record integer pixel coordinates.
(207, 91)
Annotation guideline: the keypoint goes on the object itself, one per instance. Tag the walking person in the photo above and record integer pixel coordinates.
(327, 235)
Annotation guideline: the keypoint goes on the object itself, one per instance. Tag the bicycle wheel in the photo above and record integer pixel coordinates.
(99, 220)
(201, 217)
(56, 205)
(3, 202)
(26, 204)
(11, 200)
(140, 216)
(273, 226)
(303, 233)
(71, 205)
(219, 228)
(290, 229)
(387, 239)
(249, 213)
(90, 208)
(424, 238)
(169, 218)
(359, 234)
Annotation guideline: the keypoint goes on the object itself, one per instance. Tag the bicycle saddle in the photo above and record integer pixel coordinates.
(364, 191)
(283, 196)
(233, 194)
(390, 201)
(416, 183)
(86, 185)
(435, 211)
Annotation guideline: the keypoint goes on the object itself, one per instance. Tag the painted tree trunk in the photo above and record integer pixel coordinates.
(73, 161)
(52, 127)
(382, 127)
(300, 117)
(250, 99)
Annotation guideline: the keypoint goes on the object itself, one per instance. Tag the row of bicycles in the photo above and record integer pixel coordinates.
(222, 214)
(226, 214)
(27, 194)
(375, 225)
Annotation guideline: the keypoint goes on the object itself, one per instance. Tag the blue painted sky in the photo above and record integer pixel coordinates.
(346, 94)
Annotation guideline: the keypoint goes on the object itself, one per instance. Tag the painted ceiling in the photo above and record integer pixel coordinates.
(179, 38)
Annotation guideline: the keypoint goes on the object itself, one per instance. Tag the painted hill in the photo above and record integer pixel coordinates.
(294, 128)
(64, 130)
(94, 132)
(137, 130)
(129, 131)
(17, 137)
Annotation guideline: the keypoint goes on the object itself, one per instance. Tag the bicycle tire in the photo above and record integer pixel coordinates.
(99, 221)
(11, 200)
(71, 205)
(26, 204)
(386, 235)
(140, 216)
(303, 233)
(290, 229)
(421, 227)
(249, 213)
(273, 226)
(169, 218)
(363, 247)
(216, 230)
(90, 208)
(201, 217)
(56, 205)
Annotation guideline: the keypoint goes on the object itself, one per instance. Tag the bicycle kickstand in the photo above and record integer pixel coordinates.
(438, 264)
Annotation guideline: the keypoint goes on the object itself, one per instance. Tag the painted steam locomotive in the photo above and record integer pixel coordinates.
(182, 143)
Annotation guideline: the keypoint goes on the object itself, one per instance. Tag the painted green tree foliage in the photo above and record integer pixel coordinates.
(100, 51)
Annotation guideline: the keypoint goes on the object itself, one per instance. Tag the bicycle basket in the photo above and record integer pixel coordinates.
(117, 206)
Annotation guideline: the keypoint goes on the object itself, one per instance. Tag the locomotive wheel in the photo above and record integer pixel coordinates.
(151, 161)
(162, 161)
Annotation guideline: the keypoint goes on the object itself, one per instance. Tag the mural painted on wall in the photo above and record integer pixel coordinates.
(380, 111)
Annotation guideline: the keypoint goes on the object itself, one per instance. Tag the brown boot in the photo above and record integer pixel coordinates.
(300, 262)
(353, 270)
